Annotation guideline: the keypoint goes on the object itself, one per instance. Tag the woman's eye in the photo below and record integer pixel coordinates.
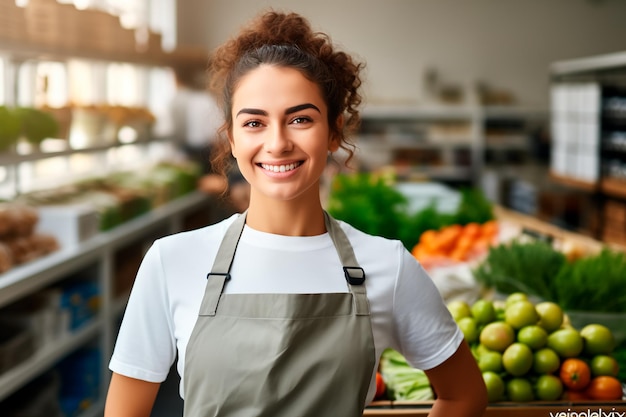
(300, 120)
(252, 123)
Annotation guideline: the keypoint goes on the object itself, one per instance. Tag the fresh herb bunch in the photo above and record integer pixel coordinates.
(593, 283)
(530, 267)
(373, 205)
(474, 207)
(369, 203)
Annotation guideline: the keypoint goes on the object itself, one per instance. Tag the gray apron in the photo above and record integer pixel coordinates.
(280, 355)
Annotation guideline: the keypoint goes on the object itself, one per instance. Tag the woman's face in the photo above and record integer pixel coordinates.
(280, 135)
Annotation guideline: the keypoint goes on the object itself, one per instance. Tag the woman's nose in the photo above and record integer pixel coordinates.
(277, 140)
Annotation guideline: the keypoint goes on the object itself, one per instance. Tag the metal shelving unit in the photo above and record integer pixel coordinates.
(96, 256)
(29, 278)
(586, 125)
(391, 131)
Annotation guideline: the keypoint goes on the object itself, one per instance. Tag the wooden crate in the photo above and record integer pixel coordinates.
(614, 222)
(149, 42)
(125, 41)
(12, 21)
(531, 409)
(43, 22)
(615, 211)
(98, 31)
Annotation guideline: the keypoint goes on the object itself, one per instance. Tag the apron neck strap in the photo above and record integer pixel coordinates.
(355, 276)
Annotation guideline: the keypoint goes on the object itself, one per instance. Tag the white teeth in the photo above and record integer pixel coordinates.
(280, 168)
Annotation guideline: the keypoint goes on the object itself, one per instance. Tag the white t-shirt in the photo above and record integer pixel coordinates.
(407, 311)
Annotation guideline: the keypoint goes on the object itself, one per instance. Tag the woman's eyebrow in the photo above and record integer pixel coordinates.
(301, 107)
(289, 110)
(258, 112)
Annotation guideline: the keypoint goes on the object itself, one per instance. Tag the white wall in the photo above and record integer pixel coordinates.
(508, 43)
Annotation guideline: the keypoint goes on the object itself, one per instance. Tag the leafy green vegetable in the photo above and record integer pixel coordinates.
(403, 382)
(37, 125)
(474, 207)
(593, 283)
(373, 205)
(10, 128)
(529, 267)
(368, 203)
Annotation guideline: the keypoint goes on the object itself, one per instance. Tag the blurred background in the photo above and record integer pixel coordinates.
(516, 108)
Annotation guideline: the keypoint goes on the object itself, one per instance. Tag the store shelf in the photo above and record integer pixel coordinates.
(586, 137)
(574, 182)
(613, 187)
(13, 158)
(414, 112)
(606, 62)
(507, 142)
(24, 50)
(29, 278)
(443, 173)
(25, 279)
(449, 143)
(515, 111)
(99, 256)
(47, 356)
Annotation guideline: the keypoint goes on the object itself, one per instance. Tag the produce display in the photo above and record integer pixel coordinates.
(19, 242)
(96, 125)
(10, 128)
(371, 203)
(122, 196)
(116, 199)
(529, 351)
(455, 243)
(400, 381)
(532, 332)
(590, 283)
(34, 125)
(526, 352)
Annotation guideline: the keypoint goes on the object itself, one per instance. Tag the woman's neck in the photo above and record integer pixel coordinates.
(288, 218)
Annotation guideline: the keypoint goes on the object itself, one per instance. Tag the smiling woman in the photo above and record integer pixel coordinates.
(280, 138)
(293, 315)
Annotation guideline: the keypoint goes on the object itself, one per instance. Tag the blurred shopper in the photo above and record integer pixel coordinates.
(292, 317)
(195, 115)
(196, 118)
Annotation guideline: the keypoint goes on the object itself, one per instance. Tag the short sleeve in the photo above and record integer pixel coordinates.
(425, 330)
(145, 348)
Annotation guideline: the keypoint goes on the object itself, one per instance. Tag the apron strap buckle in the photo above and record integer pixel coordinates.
(355, 275)
(221, 274)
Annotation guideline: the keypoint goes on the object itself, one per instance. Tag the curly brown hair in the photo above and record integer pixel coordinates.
(287, 40)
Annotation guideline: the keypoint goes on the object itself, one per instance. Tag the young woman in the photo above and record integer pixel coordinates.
(282, 310)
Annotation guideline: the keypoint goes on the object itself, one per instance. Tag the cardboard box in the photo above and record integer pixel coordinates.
(70, 224)
(12, 21)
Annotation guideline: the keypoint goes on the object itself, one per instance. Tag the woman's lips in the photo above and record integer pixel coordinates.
(280, 167)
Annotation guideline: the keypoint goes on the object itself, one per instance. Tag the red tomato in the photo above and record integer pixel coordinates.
(380, 385)
(575, 374)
